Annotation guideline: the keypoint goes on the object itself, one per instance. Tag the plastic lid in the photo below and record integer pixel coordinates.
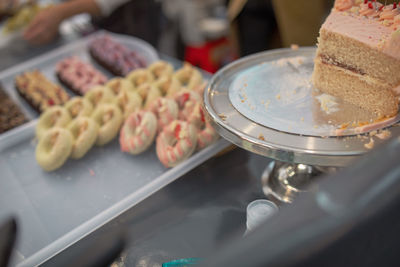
(259, 211)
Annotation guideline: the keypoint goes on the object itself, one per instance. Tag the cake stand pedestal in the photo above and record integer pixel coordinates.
(293, 130)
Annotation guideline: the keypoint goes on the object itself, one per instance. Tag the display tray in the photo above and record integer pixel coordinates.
(56, 209)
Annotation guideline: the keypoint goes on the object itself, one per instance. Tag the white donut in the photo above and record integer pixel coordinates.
(119, 84)
(176, 143)
(54, 148)
(129, 102)
(166, 110)
(138, 132)
(168, 86)
(139, 77)
(84, 130)
(109, 117)
(100, 94)
(79, 107)
(149, 94)
(161, 69)
(188, 76)
(56, 116)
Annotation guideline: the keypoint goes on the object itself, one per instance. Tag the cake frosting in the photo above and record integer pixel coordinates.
(358, 56)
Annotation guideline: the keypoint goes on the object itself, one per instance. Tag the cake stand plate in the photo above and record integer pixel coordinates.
(265, 103)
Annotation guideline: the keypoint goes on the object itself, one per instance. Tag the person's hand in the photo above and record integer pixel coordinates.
(44, 27)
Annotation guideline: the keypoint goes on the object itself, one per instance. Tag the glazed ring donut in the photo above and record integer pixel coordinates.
(186, 100)
(176, 143)
(206, 134)
(119, 84)
(79, 107)
(109, 117)
(56, 116)
(138, 132)
(169, 86)
(84, 130)
(54, 148)
(129, 102)
(161, 69)
(149, 93)
(188, 76)
(139, 77)
(100, 94)
(166, 110)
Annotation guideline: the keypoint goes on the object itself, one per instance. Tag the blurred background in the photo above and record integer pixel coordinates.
(206, 33)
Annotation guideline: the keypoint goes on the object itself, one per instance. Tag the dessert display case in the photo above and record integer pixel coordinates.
(55, 210)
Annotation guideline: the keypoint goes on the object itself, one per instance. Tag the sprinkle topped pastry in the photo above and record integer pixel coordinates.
(115, 57)
(79, 76)
(38, 91)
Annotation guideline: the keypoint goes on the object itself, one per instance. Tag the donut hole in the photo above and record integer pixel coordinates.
(107, 116)
(115, 86)
(52, 142)
(54, 118)
(75, 109)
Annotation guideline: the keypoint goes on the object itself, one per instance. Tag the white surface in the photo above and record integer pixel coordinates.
(54, 210)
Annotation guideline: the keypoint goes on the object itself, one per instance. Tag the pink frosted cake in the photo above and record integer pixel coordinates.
(358, 56)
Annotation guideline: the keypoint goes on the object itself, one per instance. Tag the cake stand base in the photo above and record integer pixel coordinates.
(284, 181)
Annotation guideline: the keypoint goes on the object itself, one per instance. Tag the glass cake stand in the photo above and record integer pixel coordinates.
(265, 103)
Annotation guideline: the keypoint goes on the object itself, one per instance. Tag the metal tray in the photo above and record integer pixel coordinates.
(288, 130)
(55, 210)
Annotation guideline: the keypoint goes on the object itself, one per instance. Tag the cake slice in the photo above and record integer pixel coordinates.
(358, 56)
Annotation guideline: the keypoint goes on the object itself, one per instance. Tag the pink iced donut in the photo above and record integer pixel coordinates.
(138, 132)
(166, 110)
(186, 99)
(176, 143)
(206, 134)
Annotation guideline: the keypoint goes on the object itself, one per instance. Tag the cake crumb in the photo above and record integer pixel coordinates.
(91, 172)
(278, 96)
(261, 137)
(302, 119)
(222, 116)
(267, 104)
(385, 134)
(373, 133)
(294, 47)
(370, 145)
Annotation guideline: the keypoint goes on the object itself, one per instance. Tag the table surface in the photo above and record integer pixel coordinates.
(190, 217)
